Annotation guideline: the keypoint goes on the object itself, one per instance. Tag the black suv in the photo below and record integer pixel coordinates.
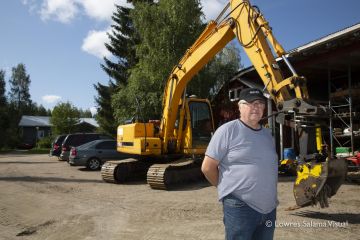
(77, 139)
(56, 145)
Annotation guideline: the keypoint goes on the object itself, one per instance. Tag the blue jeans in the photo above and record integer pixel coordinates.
(244, 223)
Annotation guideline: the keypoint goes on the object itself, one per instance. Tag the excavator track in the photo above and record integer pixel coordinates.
(107, 171)
(167, 175)
(124, 170)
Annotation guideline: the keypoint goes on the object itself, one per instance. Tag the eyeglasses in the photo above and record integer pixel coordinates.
(254, 104)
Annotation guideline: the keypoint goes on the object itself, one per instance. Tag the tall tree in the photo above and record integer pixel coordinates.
(4, 117)
(19, 88)
(19, 101)
(166, 30)
(123, 39)
(37, 110)
(3, 100)
(41, 111)
(85, 113)
(105, 112)
(122, 46)
(64, 117)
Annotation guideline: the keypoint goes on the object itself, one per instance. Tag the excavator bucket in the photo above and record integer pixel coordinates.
(316, 182)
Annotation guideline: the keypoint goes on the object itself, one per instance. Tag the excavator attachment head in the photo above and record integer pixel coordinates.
(316, 182)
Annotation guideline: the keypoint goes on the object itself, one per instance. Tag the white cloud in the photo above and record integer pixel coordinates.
(60, 10)
(67, 10)
(94, 43)
(212, 8)
(101, 10)
(33, 5)
(50, 98)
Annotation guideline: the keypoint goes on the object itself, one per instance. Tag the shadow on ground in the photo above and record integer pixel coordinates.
(23, 162)
(353, 218)
(46, 179)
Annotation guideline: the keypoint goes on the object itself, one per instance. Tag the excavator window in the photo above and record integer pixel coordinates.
(201, 124)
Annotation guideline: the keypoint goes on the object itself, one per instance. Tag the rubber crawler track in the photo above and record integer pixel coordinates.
(166, 176)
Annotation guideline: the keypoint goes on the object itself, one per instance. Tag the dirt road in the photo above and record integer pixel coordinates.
(42, 198)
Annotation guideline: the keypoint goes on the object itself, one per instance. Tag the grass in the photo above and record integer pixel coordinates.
(30, 151)
(39, 151)
(5, 150)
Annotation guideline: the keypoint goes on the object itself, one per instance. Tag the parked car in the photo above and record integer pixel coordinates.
(77, 139)
(95, 153)
(56, 145)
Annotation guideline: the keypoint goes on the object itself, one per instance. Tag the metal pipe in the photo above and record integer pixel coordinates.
(289, 65)
(270, 118)
(331, 130)
(350, 109)
(281, 142)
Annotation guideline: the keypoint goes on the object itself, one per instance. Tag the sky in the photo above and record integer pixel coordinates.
(61, 42)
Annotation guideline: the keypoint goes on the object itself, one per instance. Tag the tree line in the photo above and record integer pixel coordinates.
(146, 42)
(17, 102)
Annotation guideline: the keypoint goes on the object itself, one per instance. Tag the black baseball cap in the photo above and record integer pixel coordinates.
(252, 94)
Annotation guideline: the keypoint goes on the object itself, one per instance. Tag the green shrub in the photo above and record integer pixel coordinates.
(44, 142)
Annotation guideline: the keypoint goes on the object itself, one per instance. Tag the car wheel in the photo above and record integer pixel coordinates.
(93, 164)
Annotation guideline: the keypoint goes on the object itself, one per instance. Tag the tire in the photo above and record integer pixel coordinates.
(93, 164)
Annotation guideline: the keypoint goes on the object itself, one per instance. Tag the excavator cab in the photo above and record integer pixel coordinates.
(196, 119)
(202, 125)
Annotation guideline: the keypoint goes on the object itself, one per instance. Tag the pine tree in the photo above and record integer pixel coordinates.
(122, 46)
(38, 110)
(4, 117)
(85, 113)
(105, 113)
(162, 32)
(3, 100)
(20, 83)
(166, 30)
(123, 40)
(19, 102)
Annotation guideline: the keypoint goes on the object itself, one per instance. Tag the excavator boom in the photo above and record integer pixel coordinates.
(179, 135)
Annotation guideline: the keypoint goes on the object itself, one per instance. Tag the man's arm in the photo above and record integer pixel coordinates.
(210, 169)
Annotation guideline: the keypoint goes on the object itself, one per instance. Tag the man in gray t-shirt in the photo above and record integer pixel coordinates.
(241, 162)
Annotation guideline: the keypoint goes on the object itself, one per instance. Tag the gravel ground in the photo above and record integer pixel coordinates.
(43, 198)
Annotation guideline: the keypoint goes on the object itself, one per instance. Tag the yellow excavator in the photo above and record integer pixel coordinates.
(170, 150)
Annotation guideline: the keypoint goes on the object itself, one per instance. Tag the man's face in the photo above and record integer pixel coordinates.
(252, 111)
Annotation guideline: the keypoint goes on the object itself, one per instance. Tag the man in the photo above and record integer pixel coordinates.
(241, 162)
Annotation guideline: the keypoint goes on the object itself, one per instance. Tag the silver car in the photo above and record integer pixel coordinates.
(94, 154)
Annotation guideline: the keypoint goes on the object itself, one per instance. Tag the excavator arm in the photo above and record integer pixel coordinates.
(318, 176)
(179, 135)
(251, 29)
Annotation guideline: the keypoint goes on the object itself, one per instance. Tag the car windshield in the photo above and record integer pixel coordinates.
(59, 139)
(87, 145)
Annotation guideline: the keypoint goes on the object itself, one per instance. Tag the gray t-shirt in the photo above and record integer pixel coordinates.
(248, 166)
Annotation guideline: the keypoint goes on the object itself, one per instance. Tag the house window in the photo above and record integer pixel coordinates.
(234, 94)
(40, 134)
(231, 95)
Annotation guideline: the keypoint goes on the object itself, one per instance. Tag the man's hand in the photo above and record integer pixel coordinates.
(210, 169)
